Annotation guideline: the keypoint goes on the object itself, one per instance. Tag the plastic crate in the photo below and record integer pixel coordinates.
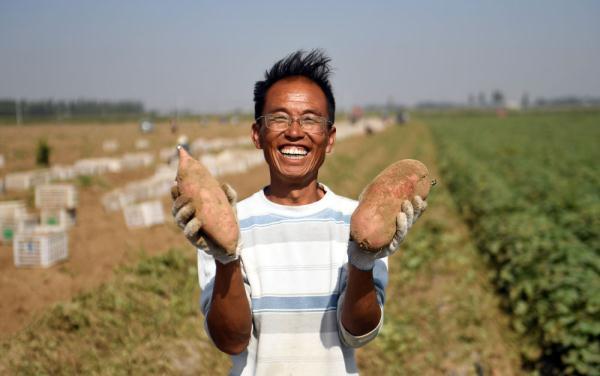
(145, 214)
(136, 160)
(62, 218)
(26, 180)
(40, 248)
(10, 212)
(56, 196)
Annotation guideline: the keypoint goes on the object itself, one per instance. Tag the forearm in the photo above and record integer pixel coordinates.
(360, 312)
(229, 319)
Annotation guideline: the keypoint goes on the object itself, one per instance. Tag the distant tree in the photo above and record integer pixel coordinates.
(497, 98)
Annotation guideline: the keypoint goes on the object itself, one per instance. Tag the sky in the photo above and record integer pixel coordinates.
(206, 55)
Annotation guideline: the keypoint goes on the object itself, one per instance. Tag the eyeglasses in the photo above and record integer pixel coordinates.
(309, 123)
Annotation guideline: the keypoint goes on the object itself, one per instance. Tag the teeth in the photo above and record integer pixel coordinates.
(293, 151)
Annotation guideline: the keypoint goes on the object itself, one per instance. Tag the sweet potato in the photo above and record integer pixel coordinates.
(212, 207)
(373, 223)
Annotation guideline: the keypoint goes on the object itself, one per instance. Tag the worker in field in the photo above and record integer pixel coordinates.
(296, 296)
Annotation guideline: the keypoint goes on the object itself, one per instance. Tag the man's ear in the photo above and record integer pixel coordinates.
(330, 139)
(256, 135)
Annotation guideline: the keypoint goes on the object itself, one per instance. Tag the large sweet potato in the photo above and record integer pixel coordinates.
(373, 223)
(212, 207)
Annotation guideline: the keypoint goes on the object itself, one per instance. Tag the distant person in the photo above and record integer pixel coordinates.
(298, 296)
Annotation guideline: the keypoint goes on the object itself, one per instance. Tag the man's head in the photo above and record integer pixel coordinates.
(292, 124)
(313, 65)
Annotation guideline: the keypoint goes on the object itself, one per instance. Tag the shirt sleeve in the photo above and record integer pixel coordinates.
(380, 277)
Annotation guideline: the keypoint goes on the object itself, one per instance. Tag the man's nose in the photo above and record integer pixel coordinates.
(295, 129)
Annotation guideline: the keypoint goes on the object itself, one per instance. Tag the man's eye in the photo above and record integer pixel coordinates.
(279, 119)
(309, 120)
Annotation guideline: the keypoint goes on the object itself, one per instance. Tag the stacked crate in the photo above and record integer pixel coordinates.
(10, 214)
(26, 180)
(144, 214)
(136, 160)
(43, 247)
(57, 204)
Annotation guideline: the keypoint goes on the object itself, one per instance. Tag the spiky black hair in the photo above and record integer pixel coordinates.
(313, 65)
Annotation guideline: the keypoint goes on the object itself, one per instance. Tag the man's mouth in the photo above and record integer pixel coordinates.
(293, 152)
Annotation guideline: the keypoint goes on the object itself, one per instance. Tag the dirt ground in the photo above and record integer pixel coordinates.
(100, 241)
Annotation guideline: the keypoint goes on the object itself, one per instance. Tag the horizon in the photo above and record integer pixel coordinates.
(186, 56)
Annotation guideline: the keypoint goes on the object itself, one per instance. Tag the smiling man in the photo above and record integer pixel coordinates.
(298, 296)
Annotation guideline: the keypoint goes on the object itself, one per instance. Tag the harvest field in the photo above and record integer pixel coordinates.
(499, 277)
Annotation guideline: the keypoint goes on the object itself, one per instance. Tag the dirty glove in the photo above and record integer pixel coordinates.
(183, 211)
(409, 213)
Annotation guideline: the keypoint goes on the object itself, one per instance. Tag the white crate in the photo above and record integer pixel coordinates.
(42, 247)
(26, 180)
(61, 218)
(61, 172)
(137, 160)
(97, 166)
(144, 214)
(10, 212)
(56, 196)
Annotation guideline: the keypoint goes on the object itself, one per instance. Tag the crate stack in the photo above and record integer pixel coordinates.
(44, 247)
(132, 161)
(57, 204)
(144, 214)
(26, 180)
(11, 213)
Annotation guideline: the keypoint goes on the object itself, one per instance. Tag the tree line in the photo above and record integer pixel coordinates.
(21, 110)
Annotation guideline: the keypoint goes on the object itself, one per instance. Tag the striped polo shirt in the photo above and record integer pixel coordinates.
(294, 261)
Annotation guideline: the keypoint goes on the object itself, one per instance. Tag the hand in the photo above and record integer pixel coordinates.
(409, 213)
(183, 211)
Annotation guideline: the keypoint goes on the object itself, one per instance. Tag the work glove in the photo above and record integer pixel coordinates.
(183, 211)
(409, 213)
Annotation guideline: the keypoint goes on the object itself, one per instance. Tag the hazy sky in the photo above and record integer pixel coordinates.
(206, 55)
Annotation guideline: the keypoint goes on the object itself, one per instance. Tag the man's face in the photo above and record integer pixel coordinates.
(294, 156)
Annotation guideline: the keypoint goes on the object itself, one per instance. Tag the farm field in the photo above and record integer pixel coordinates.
(528, 186)
(127, 300)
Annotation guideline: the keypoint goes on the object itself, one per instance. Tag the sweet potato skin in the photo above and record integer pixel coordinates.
(212, 207)
(373, 223)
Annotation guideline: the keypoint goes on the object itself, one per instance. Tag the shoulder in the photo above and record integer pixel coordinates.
(344, 204)
(250, 205)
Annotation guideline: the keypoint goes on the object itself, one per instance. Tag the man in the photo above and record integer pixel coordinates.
(290, 301)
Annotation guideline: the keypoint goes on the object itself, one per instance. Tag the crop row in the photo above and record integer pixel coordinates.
(527, 188)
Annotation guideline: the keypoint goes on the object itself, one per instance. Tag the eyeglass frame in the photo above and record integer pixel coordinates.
(324, 125)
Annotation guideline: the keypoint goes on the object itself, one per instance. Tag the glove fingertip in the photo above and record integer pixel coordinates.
(230, 193)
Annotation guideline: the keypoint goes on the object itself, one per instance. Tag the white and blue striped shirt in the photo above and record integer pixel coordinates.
(294, 264)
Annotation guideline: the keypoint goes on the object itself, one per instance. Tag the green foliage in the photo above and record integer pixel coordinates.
(528, 187)
(42, 154)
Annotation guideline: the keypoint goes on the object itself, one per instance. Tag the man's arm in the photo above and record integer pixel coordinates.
(229, 319)
(361, 312)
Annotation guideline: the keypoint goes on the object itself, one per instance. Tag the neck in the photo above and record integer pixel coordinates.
(294, 194)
